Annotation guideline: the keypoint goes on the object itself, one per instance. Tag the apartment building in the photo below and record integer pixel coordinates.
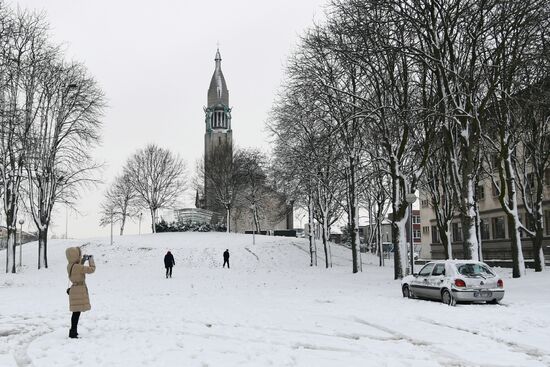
(493, 229)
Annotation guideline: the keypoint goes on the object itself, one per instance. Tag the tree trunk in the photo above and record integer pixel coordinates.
(399, 223)
(478, 231)
(379, 248)
(400, 246)
(228, 219)
(444, 236)
(123, 222)
(538, 252)
(256, 220)
(468, 217)
(11, 227)
(325, 240)
(352, 202)
(11, 249)
(43, 247)
(310, 234)
(518, 263)
(508, 200)
(153, 220)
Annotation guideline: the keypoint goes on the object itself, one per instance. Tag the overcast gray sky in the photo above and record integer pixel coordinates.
(154, 61)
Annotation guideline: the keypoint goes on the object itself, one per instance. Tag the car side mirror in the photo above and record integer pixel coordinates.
(415, 275)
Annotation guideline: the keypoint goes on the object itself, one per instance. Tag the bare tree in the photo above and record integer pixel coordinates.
(23, 52)
(67, 128)
(290, 125)
(120, 202)
(221, 174)
(517, 32)
(440, 197)
(336, 85)
(252, 174)
(308, 156)
(157, 176)
(533, 163)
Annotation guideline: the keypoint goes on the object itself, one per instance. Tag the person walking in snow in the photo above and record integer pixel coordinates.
(79, 299)
(169, 262)
(226, 258)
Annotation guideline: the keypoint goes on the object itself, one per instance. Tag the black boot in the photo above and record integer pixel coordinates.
(73, 334)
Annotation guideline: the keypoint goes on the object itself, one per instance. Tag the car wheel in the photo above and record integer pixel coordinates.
(406, 292)
(447, 298)
(493, 302)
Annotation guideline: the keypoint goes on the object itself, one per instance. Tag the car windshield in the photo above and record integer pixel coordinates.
(474, 270)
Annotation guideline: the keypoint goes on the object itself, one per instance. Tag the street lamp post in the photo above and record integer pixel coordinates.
(21, 221)
(411, 198)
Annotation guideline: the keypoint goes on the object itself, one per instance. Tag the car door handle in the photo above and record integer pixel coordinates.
(442, 280)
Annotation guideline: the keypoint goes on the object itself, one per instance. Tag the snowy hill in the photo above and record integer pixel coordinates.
(270, 308)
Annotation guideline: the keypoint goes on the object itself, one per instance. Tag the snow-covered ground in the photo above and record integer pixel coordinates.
(269, 309)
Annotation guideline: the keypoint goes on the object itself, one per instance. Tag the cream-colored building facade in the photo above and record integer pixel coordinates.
(494, 231)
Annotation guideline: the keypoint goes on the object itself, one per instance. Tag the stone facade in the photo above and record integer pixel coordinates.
(494, 231)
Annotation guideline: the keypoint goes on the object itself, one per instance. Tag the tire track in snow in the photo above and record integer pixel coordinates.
(443, 356)
(356, 339)
(530, 351)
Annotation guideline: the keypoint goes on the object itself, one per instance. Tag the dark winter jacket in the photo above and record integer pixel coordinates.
(169, 260)
(226, 255)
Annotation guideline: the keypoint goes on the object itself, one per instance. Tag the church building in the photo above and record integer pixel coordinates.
(218, 140)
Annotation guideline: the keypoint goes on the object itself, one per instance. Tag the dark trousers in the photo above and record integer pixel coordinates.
(168, 271)
(226, 261)
(74, 320)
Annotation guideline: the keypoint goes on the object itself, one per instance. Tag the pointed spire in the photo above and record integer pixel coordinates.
(218, 58)
(218, 93)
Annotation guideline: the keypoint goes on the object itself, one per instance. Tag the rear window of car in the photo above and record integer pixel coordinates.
(474, 270)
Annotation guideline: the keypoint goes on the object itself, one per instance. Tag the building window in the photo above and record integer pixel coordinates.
(435, 235)
(424, 203)
(498, 227)
(426, 230)
(480, 192)
(416, 219)
(484, 229)
(457, 232)
(416, 234)
(547, 222)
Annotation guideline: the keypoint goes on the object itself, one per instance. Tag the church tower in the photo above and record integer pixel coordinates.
(218, 135)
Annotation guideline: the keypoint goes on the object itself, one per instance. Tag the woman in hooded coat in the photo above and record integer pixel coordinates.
(79, 300)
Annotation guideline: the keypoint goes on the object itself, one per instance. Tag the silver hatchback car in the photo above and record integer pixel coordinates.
(452, 281)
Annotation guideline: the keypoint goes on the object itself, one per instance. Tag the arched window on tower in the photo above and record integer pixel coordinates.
(219, 118)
